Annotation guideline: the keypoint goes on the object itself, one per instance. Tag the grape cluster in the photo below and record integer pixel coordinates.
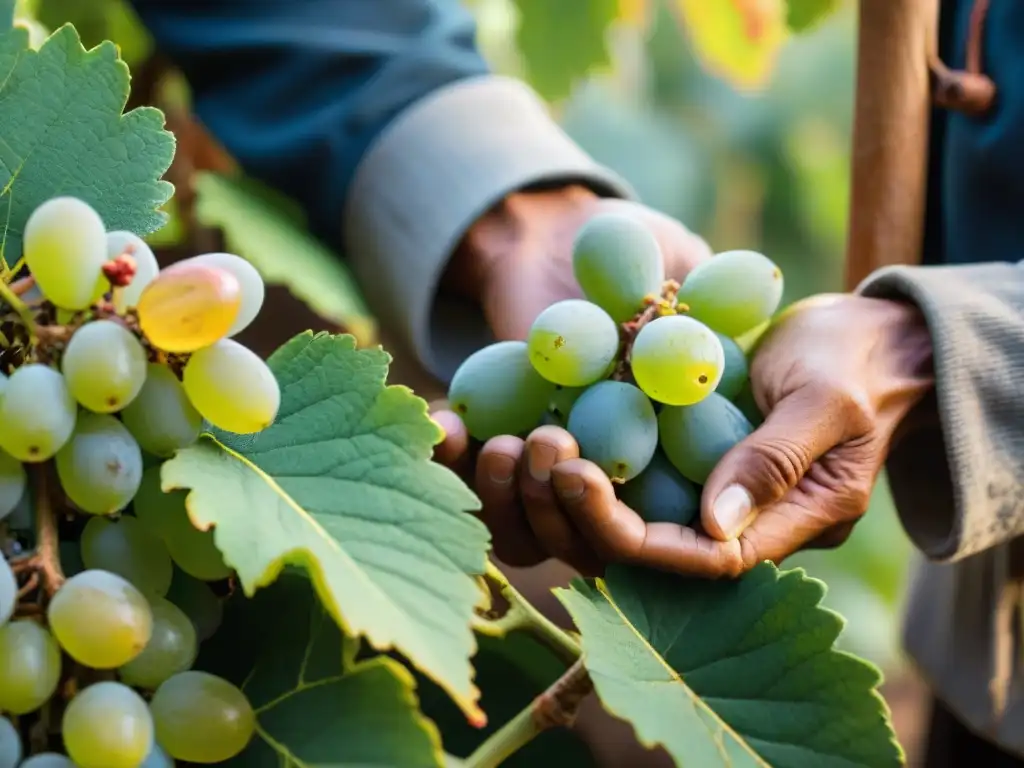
(111, 366)
(646, 374)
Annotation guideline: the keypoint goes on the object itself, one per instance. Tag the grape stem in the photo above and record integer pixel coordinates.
(557, 707)
(521, 616)
(656, 306)
(47, 545)
(8, 295)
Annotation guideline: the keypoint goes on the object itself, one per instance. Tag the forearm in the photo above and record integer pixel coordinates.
(956, 469)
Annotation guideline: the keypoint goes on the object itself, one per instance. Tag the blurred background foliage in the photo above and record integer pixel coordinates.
(716, 111)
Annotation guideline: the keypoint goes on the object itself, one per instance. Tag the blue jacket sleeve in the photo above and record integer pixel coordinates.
(297, 90)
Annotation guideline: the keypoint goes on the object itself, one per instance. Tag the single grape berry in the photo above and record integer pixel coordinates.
(8, 591)
(162, 418)
(618, 263)
(30, 666)
(10, 744)
(65, 247)
(232, 387)
(573, 343)
(733, 292)
(104, 366)
(37, 413)
(197, 601)
(130, 549)
(616, 428)
(253, 290)
(696, 437)
(189, 306)
(734, 370)
(12, 483)
(660, 494)
(107, 725)
(677, 360)
(496, 391)
(100, 467)
(171, 648)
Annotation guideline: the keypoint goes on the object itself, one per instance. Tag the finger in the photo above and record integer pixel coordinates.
(614, 531)
(453, 451)
(496, 471)
(546, 447)
(832, 538)
(763, 467)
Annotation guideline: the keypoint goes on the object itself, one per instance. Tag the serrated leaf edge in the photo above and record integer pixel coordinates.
(303, 557)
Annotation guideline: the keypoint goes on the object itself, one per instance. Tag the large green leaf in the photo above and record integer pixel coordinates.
(270, 231)
(62, 132)
(801, 15)
(315, 706)
(732, 674)
(562, 42)
(342, 485)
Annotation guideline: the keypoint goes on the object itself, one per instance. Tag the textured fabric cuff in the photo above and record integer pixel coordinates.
(435, 170)
(975, 315)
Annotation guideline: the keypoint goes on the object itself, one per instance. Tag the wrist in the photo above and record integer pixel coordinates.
(501, 232)
(902, 354)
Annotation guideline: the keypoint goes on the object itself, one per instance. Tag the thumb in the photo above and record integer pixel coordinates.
(763, 467)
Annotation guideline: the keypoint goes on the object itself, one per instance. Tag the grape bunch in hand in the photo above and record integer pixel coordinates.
(647, 377)
(109, 365)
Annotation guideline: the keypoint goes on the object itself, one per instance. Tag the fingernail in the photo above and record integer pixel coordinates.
(732, 509)
(501, 470)
(540, 459)
(569, 487)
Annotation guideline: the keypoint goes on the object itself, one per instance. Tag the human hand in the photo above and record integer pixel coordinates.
(836, 376)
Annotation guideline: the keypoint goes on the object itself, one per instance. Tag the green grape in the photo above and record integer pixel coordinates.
(573, 343)
(8, 591)
(734, 371)
(249, 279)
(157, 758)
(162, 418)
(618, 263)
(497, 392)
(37, 413)
(696, 437)
(193, 550)
(733, 292)
(104, 366)
(48, 760)
(100, 467)
(29, 666)
(130, 549)
(660, 494)
(561, 403)
(10, 744)
(201, 718)
(748, 405)
(107, 725)
(232, 387)
(171, 648)
(65, 246)
(677, 360)
(12, 483)
(100, 619)
(616, 428)
(197, 601)
(146, 265)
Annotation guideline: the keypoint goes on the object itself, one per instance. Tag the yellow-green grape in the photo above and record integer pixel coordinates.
(10, 744)
(496, 391)
(12, 483)
(677, 360)
(129, 549)
(146, 266)
(188, 307)
(65, 249)
(37, 413)
(104, 366)
(202, 718)
(617, 262)
(107, 725)
(232, 387)
(733, 292)
(162, 418)
(171, 648)
(29, 666)
(192, 550)
(100, 467)
(573, 343)
(100, 619)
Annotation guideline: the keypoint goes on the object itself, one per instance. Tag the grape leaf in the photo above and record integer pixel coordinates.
(561, 43)
(342, 485)
(737, 40)
(62, 132)
(315, 705)
(732, 674)
(802, 15)
(270, 231)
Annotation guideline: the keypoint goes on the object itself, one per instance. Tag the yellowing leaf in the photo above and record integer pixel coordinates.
(738, 40)
(342, 486)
